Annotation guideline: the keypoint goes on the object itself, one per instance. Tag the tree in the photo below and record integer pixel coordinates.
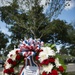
(3, 40)
(31, 18)
(72, 50)
(63, 50)
(59, 32)
(10, 46)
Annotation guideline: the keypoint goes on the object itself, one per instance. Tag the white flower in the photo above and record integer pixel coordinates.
(48, 51)
(42, 56)
(51, 53)
(48, 68)
(13, 57)
(7, 66)
(57, 62)
(12, 54)
(5, 74)
(59, 73)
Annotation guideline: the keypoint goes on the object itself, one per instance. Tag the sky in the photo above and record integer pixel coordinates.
(68, 14)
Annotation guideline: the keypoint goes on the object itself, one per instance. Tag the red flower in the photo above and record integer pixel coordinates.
(18, 57)
(7, 71)
(44, 73)
(54, 72)
(61, 69)
(50, 74)
(17, 51)
(51, 60)
(45, 62)
(14, 63)
(10, 61)
(11, 70)
(37, 57)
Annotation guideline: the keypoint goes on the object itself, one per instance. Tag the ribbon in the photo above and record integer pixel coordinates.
(30, 46)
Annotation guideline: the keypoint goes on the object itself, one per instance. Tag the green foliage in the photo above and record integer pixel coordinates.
(3, 40)
(64, 73)
(72, 50)
(60, 31)
(52, 46)
(10, 46)
(61, 61)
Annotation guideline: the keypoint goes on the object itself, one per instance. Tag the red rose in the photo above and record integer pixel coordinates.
(45, 62)
(54, 72)
(11, 70)
(44, 73)
(18, 51)
(14, 63)
(18, 57)
(51, 60)
(10, 61)
(7, 71)
(61, 69)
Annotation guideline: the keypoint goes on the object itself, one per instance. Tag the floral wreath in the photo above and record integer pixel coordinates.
(45, 56)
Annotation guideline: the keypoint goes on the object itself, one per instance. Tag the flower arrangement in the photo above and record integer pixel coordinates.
(45, 56)
(49, 63)
(12, 60)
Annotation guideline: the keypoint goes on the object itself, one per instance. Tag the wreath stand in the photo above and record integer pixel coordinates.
(30, 67)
